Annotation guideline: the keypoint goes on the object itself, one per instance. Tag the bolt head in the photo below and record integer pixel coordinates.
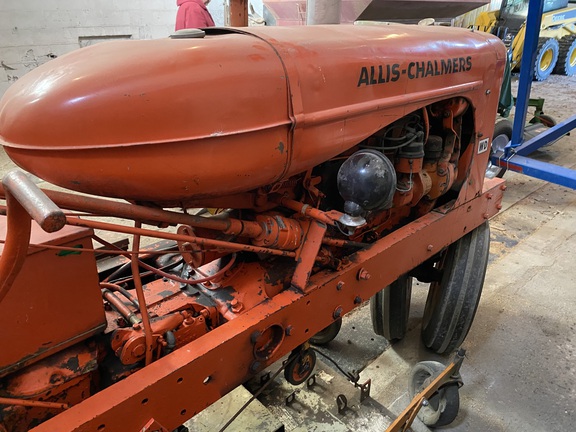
(236, 306)
(363, 274)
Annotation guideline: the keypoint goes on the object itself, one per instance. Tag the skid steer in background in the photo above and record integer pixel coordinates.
(556, 51)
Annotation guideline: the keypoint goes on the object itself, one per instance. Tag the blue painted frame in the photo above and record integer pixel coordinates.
(515, 152)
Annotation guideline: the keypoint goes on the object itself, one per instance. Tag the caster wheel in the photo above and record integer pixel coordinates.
(328, 334)
(300, 367)
(442, 408)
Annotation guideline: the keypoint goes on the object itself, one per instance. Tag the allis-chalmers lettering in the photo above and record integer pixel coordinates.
(380, 74)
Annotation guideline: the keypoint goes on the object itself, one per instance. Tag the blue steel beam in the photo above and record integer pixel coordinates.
(533, 22)
(550, 135)
(514, 153)
(541, 170)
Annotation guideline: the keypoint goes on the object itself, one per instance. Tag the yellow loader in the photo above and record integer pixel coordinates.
(557, 41)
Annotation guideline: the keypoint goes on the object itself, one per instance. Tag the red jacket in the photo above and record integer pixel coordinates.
(193, 14)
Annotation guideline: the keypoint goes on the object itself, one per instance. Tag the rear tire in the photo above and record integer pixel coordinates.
(390, 309)
(453, 300)
(546, 58)
(567, 56)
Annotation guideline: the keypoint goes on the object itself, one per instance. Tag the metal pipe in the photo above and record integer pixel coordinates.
(33, 403)
(24, 201)
(140, 294)
(36, 203)
(16, 247)
(99, 206)
(118, 288)
(120, 307)
(307, 210)
(343, 243)
(209, 243)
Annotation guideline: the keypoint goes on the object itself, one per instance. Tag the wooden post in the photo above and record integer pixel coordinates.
(239, 13)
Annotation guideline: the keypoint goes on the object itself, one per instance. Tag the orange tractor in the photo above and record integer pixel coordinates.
(339, 163)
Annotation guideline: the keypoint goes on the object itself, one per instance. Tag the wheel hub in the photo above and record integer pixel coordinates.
(546, 60)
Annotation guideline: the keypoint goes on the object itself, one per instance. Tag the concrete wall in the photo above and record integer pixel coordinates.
(35, 31)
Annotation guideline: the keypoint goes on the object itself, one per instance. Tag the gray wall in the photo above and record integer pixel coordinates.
(34, 31)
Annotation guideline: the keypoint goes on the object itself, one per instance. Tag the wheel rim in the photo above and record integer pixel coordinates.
(546, 60)
(573, 58)
(499, 143)
(299, 369)
(497, 149)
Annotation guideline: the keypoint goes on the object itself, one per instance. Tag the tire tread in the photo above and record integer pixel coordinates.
(567, 44)
(461, 288)
(537, 73)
